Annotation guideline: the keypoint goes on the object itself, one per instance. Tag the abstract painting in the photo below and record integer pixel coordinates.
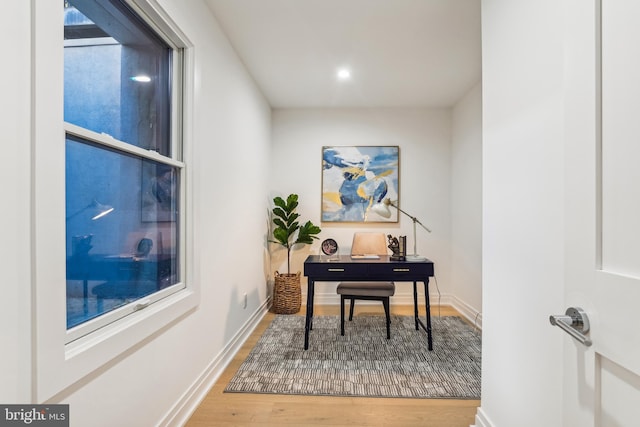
(354, 179)
(159, 192)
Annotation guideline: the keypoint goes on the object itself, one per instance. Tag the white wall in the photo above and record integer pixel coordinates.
(231, 133)
(466, 204)
(424, 138)
(522, 42)
(15, 316)
(236, 163)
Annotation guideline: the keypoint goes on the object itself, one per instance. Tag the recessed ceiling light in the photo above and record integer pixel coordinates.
(344, 74)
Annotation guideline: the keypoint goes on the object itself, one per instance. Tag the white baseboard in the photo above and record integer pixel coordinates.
(481, 419)
(467, 311)
(406, 298)
(180, 413)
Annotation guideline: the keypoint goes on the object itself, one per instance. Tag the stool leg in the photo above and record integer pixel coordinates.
(342, 315)
(353, 303)
(385, 303)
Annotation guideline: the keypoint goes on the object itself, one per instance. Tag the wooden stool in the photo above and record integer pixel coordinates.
(378, 291)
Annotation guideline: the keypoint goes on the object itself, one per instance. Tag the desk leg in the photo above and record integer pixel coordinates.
(309, 315)
(426, 299)
(426, 327)
(85, 297)
(415, 304)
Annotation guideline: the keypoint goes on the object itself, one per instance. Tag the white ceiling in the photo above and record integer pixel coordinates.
(413, 53)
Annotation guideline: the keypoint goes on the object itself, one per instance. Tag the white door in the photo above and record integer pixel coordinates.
(602, 382)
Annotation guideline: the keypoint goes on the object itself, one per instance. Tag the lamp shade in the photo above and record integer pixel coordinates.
(382, 208)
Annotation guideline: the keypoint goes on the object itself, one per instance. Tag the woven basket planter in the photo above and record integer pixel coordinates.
(287, 295)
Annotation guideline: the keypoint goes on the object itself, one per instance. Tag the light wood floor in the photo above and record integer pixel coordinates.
(245, 409)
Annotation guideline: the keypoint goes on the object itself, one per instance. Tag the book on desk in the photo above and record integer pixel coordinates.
(365, 256)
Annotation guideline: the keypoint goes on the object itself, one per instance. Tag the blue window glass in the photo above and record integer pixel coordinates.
(122, 205)
(121, 229)
(116, 75)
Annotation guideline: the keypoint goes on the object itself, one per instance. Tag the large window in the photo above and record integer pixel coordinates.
(124, 166)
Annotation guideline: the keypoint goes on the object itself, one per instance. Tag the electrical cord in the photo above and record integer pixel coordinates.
(475, 321)
(477, 328)
(435, 279)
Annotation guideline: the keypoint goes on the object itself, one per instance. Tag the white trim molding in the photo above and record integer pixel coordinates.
(406, 298)
(180, 413)
(470, 313)
(482, 420)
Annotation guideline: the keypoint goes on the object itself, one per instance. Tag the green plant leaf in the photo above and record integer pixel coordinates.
(279, 223)
(292, 217)
(280, 213)
(292, 228)
(286, 220)
(292, 202)
(307, 232)
(279, 202)
(282, 236)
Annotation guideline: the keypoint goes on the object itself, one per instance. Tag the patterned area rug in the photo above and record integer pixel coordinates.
(363, 362)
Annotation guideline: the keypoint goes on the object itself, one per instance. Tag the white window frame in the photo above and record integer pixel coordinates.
(109, 317)
(59, 362)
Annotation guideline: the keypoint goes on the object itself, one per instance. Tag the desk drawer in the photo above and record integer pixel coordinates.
(403, 271)
(335, 272)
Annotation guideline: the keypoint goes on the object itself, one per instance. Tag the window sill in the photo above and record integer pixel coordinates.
(68, 364)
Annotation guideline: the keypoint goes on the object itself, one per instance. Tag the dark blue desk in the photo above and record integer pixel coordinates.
(346, 269)
(123, 277)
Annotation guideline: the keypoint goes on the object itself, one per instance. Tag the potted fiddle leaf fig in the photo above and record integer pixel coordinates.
(288, 232)
(285, 218)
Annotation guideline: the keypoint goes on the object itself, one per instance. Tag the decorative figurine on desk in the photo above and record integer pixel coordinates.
(81, 245)
(398, 247)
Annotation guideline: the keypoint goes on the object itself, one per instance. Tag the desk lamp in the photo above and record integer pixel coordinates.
(382, 209)
(97, 209)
